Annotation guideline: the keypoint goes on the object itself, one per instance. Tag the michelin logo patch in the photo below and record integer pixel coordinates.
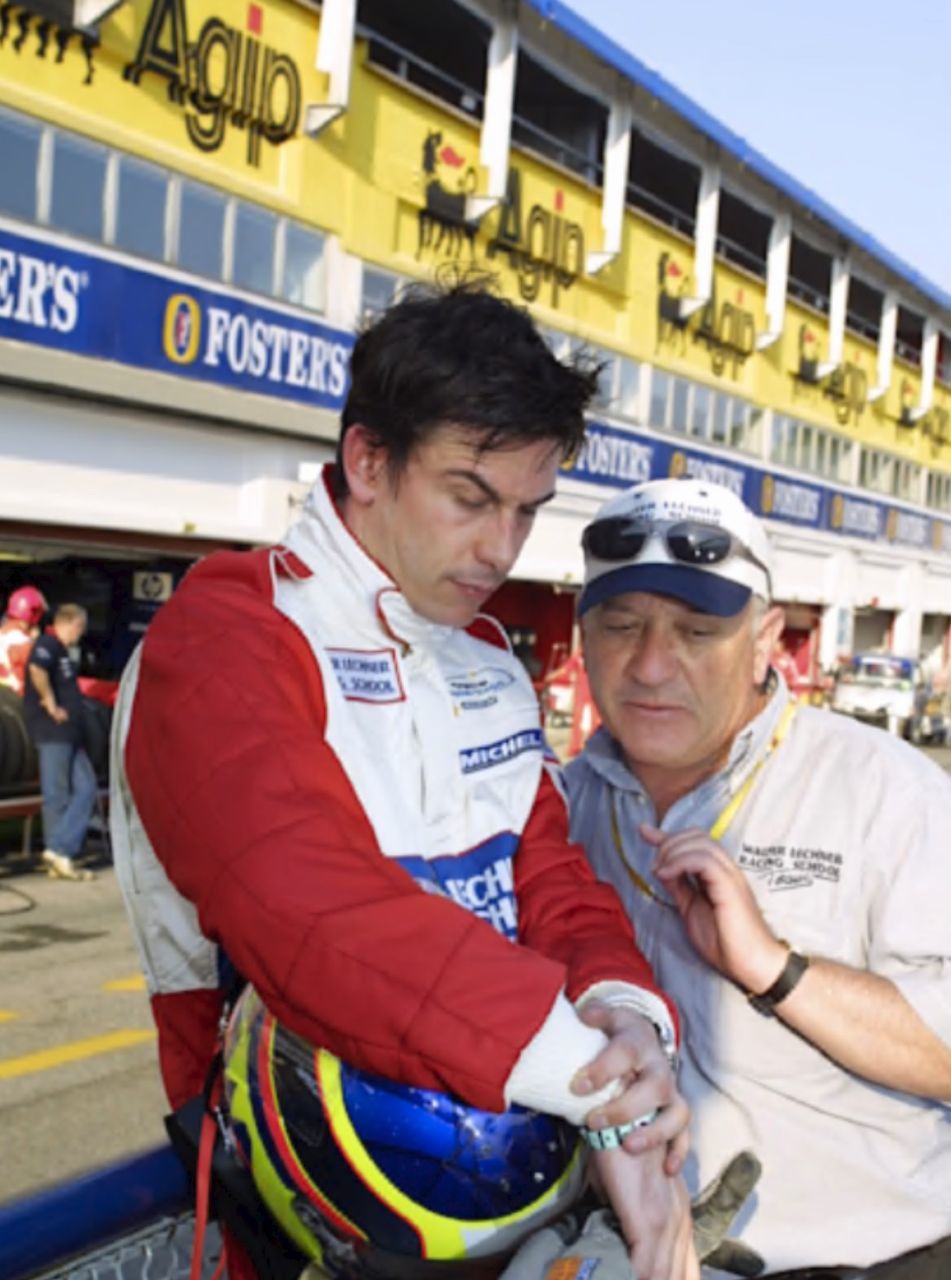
(494, 753)
(476, 690)
(480, 880)
(367, 675)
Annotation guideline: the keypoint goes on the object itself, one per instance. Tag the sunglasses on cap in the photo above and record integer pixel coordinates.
(618, 538)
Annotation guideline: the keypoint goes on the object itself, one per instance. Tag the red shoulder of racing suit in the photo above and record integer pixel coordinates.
(255, 822)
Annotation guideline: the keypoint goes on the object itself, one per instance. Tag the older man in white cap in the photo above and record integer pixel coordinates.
(788, 873)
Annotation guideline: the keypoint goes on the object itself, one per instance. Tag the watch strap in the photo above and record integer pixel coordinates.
(765, 1002)
(612, 1135)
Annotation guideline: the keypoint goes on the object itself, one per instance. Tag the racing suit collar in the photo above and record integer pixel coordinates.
(321, 535)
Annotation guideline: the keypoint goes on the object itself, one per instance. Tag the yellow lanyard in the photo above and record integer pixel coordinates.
(721, 822)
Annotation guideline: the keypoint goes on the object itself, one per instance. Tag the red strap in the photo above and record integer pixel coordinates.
(206, 1147)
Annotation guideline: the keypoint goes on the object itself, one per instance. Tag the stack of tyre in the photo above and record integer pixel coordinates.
(19, 771)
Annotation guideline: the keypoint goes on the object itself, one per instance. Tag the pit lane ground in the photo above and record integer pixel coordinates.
(79, 1085)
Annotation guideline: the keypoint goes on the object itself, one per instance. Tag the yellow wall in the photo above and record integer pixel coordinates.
(381, 179)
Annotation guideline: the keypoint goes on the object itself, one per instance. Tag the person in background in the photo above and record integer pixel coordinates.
(54, 715)
(787, 873)
(18, 629)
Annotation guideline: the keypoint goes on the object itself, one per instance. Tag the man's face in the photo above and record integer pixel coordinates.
(70, 633)
(674, 686)
(449, 527)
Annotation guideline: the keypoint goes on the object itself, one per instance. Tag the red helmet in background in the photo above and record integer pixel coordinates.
(27, 605)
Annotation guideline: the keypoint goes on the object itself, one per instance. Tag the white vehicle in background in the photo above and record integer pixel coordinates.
(889, 691)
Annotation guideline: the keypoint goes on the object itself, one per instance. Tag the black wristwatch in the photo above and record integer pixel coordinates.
(766, 1002)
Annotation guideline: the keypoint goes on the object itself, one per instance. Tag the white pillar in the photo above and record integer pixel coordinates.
(777, 279)
(886, 346)
(838, 302)
(929, 365)
(335, 59)
(617, 154)
(705, 238)
(496, 137)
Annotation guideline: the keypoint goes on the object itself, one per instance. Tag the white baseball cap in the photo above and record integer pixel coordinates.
(689, 539)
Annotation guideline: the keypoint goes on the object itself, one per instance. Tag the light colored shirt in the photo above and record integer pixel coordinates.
(844, 837)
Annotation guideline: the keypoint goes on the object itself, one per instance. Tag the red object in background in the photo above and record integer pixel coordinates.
(255, 19)
(104, 691)
(535, 606)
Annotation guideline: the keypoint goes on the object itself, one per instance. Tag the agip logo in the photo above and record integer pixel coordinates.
(224, 77)
(181, 330)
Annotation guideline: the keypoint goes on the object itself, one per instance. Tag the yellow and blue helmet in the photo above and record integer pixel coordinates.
(371, 1177)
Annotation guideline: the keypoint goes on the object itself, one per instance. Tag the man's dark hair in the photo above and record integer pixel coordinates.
(461, 354)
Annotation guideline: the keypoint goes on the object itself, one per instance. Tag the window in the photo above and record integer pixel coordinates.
(909, 336)
(140, 208)
(379, 292)
(77, 202)
(19, 165)
(863, 312)
(446, 57)
(303, 280)
(629, 388)
(605, 396)
(883, 473)
(700, 417)
(151, 213)
(255, 233)
(743, 234)
(939, 491)
(810, 275)
(810, 448)
(721, 406)
(554, 119)
(907, 481)
(663, 185)
(201, 230)
(806, 460)
(943, 371)
(660, 387)
(743, 420)
(679, 413)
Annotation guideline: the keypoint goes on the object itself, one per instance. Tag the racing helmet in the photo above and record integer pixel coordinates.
(27, 605)
(373, 1178)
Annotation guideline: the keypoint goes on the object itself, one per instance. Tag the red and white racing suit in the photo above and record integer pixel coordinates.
(15, 645)
(352, 803)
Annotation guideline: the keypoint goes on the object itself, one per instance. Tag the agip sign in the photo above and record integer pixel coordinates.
(224, 78)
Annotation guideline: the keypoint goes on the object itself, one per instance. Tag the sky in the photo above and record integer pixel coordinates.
(851, 97)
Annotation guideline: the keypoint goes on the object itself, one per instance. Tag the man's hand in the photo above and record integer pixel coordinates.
(57, 713)
(716, 903)
(635, 1056)
(653, 1210)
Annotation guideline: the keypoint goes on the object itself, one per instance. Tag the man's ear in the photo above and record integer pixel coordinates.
(764, 642)
(364, 461)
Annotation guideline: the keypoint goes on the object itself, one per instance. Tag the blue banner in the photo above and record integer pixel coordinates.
(94, 306)
(616, 458)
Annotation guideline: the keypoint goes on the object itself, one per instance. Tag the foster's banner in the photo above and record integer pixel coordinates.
(99, 307)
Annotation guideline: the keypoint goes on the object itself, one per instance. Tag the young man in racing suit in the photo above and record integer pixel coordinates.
(788, 873)
(18, 629)
(329, 768)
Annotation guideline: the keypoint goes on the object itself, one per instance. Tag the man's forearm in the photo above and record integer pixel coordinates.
(43, 687)
(864, 1023)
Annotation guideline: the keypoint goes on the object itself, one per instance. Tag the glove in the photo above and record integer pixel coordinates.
(713, 1213)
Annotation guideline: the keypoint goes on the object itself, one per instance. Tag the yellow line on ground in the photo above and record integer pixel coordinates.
(135, 983)
(72, 1052)
(7, 1015)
